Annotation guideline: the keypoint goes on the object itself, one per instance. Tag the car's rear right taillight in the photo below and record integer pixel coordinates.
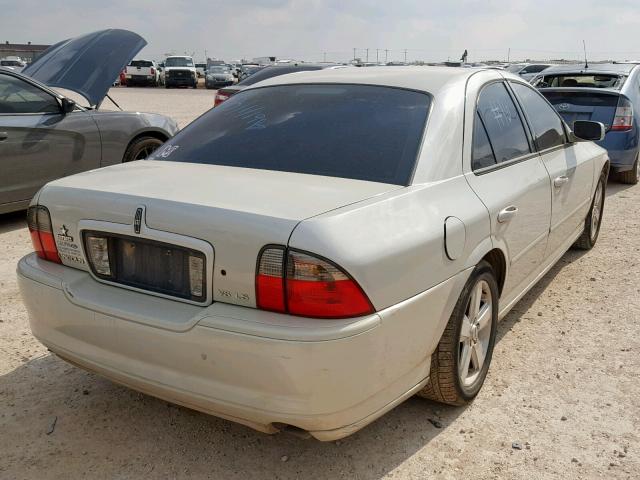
(39, 222)
(220, 97)
(153, 71)
(623, 119)
(300, 283)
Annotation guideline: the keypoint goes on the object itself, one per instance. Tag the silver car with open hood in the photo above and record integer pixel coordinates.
(45, 135)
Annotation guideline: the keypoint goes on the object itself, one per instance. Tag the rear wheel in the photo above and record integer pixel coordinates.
(632, 176)
(460, 363)
(594, 218)
(141, 148)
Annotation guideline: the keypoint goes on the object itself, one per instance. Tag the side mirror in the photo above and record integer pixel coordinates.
(68, 105)
(585, 130)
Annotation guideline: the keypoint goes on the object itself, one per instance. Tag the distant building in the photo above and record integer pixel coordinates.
(27, 52)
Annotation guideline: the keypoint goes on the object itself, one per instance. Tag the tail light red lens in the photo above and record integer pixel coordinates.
(39, 222)
(153, 71)
(623, 119)
(311, 286)
(220, 97)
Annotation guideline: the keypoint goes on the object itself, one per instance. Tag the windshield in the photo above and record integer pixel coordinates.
(218, 70)
(269, 72)
(141, 63)
(581, 80)
(361, 132)
(178, 62)
(514, 68)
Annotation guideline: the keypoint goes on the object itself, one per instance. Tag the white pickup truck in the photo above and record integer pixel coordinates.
(142, 72)
(180, 71)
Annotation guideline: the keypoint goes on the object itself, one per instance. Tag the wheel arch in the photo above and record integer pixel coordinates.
(496, 258)
(153, 133)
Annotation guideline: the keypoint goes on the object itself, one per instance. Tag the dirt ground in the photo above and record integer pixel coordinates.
(561, 399)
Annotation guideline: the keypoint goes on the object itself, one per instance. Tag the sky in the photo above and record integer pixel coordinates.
(315, 30)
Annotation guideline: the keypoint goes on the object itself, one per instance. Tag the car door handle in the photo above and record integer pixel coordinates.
(560, 181)
(3, 136)
(507, 214)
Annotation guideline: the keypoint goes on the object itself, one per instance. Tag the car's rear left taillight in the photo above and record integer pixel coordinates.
(39, 222)
(300, 283)
(623, 119)
(220, 97)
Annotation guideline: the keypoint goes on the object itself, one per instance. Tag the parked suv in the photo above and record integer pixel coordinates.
(180, 71)
(607, 93)
(142, 72)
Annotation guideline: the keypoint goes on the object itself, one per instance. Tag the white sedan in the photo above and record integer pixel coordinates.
(318, 248)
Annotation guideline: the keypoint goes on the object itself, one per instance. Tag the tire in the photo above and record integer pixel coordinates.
(446, 384)
(141, 148)
(630, 177)
(593, 221)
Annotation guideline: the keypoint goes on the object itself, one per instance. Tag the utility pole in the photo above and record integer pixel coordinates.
(377, 50)
(386, 55)
(405, 55)
(508, 55)
(354, 54)
(367, 55)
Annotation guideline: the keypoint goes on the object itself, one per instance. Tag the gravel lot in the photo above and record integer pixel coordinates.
(564, 386)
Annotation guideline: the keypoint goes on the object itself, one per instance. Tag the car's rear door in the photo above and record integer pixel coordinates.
(570, 169)
(39, 143)
(510, 179)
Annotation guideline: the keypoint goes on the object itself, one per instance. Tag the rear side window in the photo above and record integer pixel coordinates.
(482, 152)
(502, 123)
(361, 132)
(544, 120)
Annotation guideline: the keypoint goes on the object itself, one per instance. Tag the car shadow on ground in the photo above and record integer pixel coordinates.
(616, 188)
(102, 414)
(13, 221)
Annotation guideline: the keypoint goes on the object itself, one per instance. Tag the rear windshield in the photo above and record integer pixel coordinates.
(270, 72)
(350, 131)
(590, 80)
(141, 63)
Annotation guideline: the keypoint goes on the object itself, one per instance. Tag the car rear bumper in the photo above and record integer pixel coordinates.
(141, 80)
(261, 369)
(622, 148)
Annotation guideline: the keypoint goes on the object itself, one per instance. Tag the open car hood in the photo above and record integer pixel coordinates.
(88, 64)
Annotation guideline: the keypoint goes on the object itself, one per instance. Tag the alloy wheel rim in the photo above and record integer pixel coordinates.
(596, 211)
(475, 334)
(144, 153)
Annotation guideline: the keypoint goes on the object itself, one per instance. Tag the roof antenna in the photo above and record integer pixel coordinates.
(584, 47)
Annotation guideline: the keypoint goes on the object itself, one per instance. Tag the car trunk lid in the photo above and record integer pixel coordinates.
(236, 211)
(592, 104)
